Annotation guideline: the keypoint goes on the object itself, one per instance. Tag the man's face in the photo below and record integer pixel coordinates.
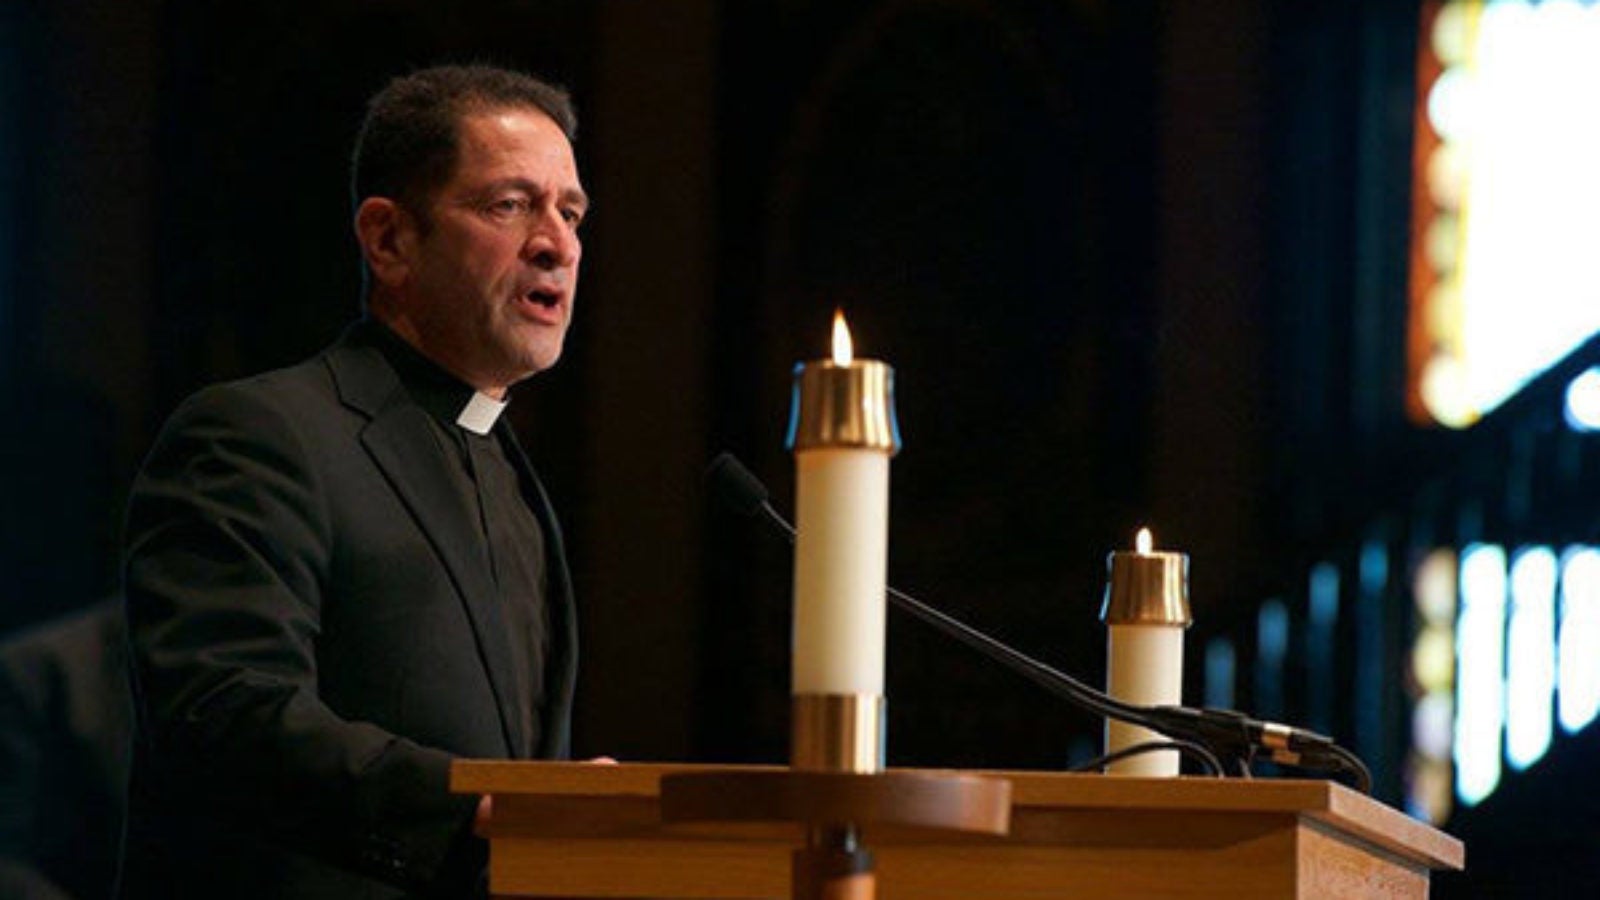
(491, 287)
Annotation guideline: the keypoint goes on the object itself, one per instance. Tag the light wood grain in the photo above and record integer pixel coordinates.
(578, 830)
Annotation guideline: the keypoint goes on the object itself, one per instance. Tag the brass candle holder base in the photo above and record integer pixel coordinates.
(837, 733)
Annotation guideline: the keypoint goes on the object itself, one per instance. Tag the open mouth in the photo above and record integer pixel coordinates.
(546, 300)
(544, 297)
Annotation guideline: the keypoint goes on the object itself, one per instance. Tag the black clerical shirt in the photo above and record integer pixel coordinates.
(513, 544)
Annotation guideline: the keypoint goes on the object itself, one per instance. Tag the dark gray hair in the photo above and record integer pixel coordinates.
(406, 148)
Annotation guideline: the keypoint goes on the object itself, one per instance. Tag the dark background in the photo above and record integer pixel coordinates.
(1133, 262)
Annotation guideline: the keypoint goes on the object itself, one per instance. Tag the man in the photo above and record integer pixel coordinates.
(65, 726)
(344, 574)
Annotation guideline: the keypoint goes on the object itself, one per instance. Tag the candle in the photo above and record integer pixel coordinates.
(1146, 611)
(842, 513)
(842, 430)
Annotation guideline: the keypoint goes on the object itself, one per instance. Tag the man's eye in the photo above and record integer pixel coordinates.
(573, 217)
(509, 206)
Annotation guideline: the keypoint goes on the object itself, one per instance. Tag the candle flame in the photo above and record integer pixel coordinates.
(1143, 542)
(843, 352)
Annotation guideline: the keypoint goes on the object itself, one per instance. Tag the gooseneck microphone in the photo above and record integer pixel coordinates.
(1226, 734)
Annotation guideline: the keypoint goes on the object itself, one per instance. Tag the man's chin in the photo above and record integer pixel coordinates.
(538, 361)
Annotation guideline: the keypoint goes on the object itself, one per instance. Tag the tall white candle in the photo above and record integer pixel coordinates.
(843, 435)
(842, 520)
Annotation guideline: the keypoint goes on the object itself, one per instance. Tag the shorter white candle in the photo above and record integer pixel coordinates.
(1144, 654)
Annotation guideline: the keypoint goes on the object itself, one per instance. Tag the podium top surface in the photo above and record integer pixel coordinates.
(1331, 804)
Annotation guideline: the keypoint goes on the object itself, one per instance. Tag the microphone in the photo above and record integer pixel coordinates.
(1226, 733)
(738, 489)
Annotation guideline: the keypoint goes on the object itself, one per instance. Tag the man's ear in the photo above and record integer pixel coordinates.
(388, 238)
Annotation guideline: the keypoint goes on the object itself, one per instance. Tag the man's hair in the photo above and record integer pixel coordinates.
(407, 146)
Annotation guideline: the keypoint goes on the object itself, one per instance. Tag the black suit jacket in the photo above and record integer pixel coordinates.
(315, 637)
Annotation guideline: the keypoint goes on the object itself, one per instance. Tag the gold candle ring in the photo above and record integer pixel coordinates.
(1147, 589)
(850, 405)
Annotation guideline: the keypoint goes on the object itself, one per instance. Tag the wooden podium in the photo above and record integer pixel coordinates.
(583, 830)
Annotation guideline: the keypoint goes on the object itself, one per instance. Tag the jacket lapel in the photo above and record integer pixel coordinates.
(401, 443)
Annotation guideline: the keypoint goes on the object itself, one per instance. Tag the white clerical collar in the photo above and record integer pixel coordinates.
(480, 413)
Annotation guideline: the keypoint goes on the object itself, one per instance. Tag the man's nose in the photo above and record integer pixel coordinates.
(552, 242)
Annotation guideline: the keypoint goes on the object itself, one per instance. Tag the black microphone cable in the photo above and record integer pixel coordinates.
(1221, 733)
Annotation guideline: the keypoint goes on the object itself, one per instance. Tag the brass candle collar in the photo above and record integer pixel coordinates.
(838, 406)
(1147, 589)
(837, 733)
